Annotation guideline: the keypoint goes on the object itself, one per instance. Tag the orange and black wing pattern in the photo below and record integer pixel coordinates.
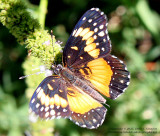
(54, 99)
(89, 71)
(89, 39)
(49, 100)
(108, 75)
(85, 111)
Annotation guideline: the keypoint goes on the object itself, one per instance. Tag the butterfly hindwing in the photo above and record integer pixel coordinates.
(85, 111)
(49, 100)
(108, 75)
(89, 39)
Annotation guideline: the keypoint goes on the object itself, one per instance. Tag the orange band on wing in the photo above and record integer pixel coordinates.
(100, 75)
(81, 102)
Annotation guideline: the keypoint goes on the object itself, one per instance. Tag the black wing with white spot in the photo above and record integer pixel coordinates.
(89, 39)
(49, 100)
(120, 78)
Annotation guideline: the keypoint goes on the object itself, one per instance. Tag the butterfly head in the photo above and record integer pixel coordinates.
(57, 68)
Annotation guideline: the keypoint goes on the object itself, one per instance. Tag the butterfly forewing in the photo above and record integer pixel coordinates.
(49, 101)
(89, 39)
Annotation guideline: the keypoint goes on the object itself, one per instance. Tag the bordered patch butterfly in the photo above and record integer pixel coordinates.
(88, 72)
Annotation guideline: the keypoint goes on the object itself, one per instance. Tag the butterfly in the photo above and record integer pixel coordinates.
(89, 73)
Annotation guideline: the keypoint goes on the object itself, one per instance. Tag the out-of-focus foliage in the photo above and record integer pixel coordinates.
(134, 29)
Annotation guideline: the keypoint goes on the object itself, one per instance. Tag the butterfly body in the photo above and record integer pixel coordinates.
(89, 73)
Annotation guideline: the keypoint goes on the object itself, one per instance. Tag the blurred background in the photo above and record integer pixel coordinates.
(134, 30)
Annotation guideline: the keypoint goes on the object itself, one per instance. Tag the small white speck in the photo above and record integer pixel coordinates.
(47, 114)
(108, 37)
(51, 106)
(124, 89)
(64, 110)
(103, 49)
(92, 127)
(95, 36)
(83, 126)
(92, 8)
(120, 61)
(77, 123)
(104, 40)
(99, 124)
(42, 108)
(90, 20)
(129, 76)
(84, 116)
(122, 81)
(47, 108)
(102, 13)
(39, 88)
(111, 84)
(115, 73)
(52, 112)
(33, 100)
(113, 78)
(114, 56)
(96, 30)
(94, 120)
(37, 105)
(106, 31)
(94, 24)
(101, 26)
(58, 107)
(97, 9)
(97, 43)
(92, 110)
(84, 18)
(101, 34)
(74, 32)
(78, 115)
(127, 83)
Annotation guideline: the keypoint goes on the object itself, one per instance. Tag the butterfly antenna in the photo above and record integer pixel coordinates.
(53, 47)
(22, 77)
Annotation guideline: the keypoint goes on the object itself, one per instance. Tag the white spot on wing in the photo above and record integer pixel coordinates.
(94, 24)
(52, 112)
(84, 18)
(47, 114)
(37, 105)
(42, 108)
(96, 30)
(101, 34)
(33, 100)
(47, 108)
(101, 26)
(39, 88)
(90, 20)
